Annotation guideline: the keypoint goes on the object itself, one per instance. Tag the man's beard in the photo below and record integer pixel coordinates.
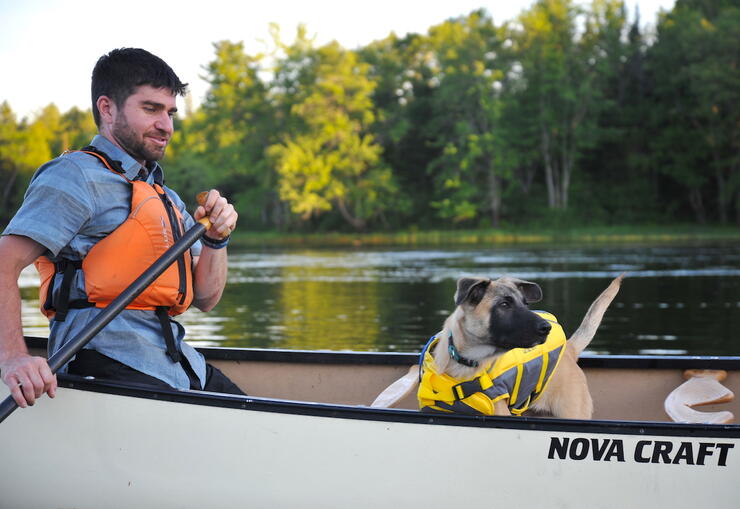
(136, 148)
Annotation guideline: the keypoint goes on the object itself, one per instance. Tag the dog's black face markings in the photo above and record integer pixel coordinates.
(511, 323)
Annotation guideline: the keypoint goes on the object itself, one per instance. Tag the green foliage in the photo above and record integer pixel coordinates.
(697, 112)
(571, 114)
(329, 159)
(25, 146)
(222, 144)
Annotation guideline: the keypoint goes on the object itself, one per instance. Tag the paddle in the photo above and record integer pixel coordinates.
(64, 354)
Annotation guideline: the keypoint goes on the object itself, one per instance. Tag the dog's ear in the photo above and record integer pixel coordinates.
(531, 291)
(471, 290)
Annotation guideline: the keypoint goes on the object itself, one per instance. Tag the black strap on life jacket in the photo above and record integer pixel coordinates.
(62, 304)
(177, 232)
(173, 352)
(116, 166)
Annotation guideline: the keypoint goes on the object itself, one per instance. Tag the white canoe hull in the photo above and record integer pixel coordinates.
(90, 449)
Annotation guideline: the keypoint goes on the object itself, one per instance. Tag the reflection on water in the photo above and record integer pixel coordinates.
(676, 299)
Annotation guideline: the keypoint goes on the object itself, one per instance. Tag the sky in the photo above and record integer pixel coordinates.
(49, 47)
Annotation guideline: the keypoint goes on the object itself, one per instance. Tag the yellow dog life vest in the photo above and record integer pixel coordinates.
(521, 375)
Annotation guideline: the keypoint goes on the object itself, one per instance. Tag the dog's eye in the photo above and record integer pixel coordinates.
(505, 303)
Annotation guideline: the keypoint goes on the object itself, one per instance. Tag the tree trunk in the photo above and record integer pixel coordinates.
(722, 202)
(566, 173)
(494, 195)
(357, 223)
(550, 171)
(697, 205)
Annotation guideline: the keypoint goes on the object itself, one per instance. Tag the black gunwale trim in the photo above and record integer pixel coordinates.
(249, 403)
(405, 359)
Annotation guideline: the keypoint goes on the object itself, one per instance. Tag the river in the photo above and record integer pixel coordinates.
(675, 300)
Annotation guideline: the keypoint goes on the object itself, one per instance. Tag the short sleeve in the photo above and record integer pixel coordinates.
(55, 207)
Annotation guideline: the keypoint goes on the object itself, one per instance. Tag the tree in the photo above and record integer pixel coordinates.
(558, 69)
(77, 128)
(694, 67)
(328, 159)
(474, 164)
(23, 148)
(402, 100)
(615, 182)
(222, 144)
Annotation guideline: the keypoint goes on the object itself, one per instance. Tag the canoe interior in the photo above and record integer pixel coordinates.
(623, 388)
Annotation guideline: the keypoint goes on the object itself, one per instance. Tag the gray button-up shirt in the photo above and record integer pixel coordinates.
(73, 202)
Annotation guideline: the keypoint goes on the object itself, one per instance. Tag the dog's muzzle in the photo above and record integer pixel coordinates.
(543, 329)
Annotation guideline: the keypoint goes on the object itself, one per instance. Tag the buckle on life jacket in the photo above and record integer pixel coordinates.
(67, 268)
(465, 389)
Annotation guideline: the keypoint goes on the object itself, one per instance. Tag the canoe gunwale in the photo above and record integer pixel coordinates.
(406, 359)
(326, 410)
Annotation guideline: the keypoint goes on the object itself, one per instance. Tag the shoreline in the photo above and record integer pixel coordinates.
(503, 236)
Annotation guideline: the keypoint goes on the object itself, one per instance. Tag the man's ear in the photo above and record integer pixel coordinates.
(107, 109)
(531, 291)
(471, 290)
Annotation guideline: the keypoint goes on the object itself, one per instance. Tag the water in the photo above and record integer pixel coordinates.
(675, 299)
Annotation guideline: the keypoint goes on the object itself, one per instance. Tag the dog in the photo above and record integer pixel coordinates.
(492, 319)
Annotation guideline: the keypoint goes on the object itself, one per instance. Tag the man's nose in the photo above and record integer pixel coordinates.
(165, 123)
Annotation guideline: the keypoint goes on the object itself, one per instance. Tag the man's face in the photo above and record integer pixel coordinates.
(143, 125)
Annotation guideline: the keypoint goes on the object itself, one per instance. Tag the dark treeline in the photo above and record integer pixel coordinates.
(569, 114)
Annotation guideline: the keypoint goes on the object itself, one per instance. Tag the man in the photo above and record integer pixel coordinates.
(78, 224)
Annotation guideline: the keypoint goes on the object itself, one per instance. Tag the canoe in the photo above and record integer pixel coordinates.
(308, 437)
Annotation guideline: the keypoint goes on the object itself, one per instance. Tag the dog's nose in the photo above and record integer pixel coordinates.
(544, 328)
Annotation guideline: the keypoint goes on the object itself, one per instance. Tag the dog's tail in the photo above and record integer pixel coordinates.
(585, 333)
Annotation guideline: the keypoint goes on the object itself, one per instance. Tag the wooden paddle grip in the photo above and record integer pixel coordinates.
(201, 199)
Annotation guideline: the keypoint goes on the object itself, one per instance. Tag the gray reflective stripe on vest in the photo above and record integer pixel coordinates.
(528, 385)
(458, 407)
(529, 392)
(505, 382)
(552, 361)
(502, 384)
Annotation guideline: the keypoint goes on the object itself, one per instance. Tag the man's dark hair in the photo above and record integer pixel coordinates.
(120, 72)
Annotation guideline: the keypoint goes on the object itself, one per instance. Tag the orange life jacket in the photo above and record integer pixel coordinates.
(112, 264)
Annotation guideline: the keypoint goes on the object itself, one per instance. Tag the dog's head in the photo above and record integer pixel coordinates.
(495, 313)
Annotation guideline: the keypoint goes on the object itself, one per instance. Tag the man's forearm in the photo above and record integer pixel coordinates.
(11, 330)
(210, 278)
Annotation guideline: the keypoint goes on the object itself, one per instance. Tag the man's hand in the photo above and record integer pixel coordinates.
(220, 213)
(28, 378)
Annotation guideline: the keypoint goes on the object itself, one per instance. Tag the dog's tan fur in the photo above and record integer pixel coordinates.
(567, 393)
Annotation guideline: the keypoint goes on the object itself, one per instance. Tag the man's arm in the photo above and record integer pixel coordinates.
(27, 377)
(212, 264)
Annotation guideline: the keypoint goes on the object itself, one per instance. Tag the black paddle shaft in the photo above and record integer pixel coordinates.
(66, 352)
